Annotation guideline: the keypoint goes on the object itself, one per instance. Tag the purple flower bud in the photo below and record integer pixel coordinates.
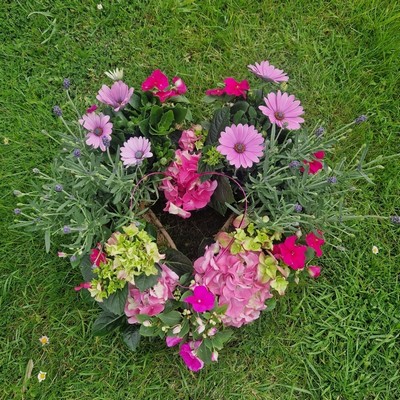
(106, 141)
(57, 111)
(58, 188)
(395, 219)
(77, 153)
(66, 83)
(360, 119)
(294, 164)
(17, 211)
(332, 179)
(66, 229)
(320, 131)
(298, 208)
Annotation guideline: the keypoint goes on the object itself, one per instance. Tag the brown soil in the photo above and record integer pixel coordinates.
(192, 234)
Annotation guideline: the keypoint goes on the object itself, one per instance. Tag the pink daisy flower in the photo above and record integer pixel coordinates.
(117, 97)
(283, 110)
(135, 150)
(99, 129)
(268, 72)
(241, 144)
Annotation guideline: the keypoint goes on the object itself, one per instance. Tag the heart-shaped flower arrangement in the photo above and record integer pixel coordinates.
(252, 164)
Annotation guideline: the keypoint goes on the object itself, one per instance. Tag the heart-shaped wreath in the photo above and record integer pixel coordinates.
(252, 163)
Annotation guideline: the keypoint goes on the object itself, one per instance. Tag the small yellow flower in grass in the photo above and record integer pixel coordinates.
(375, 250)
(44, 340)
(6, 140)
(41, 376)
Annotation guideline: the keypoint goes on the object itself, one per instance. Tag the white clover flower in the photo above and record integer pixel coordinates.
(116, 74)
(375, 250)
(99, 6)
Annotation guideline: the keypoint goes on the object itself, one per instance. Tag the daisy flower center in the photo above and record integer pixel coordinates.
(239, 148)
(139, 154)
(98, 131)
(279, 115)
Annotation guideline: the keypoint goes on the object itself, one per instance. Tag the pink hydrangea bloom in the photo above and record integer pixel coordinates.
(135, 150)
(99, 128)
(268, 72)
(202, 300)
(315, 242)
(241, 144)
(314, 271)
(182, 186)
(283, 110)
(292, 254)
(235, 88)
(233, 278)
(151, 301)
(187, 140)
(117, 97)
(189, 356)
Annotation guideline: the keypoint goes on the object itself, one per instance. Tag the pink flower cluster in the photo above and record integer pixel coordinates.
(151, 301)
(233, 278)
(159, 84)
(182, 186)
(188, 139)
(231, 88)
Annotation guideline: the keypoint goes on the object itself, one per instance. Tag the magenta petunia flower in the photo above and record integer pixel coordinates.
(98, 127)
(241, 144)
(117, 97)
(215, 92)
(268, 72)
(283, 110)
(292, 255)
(180, 86)
(189, 355)
(315, 242)
(202, 300)
(135, 150)
(235, 88)
(157, 80)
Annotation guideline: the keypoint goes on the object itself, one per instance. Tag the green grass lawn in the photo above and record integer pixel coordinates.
(336, 338)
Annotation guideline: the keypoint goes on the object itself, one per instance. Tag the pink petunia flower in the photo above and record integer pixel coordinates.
(157, 80)
(189, 356)
(165, 95)
(98, 127)
(283, 110)
(117, 97)
(202, 300)
(215, 92)
(135, 150)
(315, 242)
(235, 88)
(314, 165)
(180, 86)
(292, 255)
(314, 271)
(97, 257)
(268, 72)
(241, 144)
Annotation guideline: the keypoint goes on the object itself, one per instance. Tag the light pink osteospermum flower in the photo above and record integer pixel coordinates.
(99, 128)
(117, 97)
(241, 144)
(268, 72)
(135, 150)
(283, 110)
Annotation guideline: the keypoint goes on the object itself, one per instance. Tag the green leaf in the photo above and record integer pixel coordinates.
(144, 126)
(178, 262)
(47, 240)
(115, 303)
(106, 322)
(135, 101)
(179, 114)
(221, 338)
(271, 304)
(149, 330)
(131, 336)
(86, 269)
(151, 230)
(166, 121)
(143, 282)
(204, 353)
(223, 192)
(219, 122)
(171, 318)
(240, 106)
(238, 118)
(179, 99)
(155, 115)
